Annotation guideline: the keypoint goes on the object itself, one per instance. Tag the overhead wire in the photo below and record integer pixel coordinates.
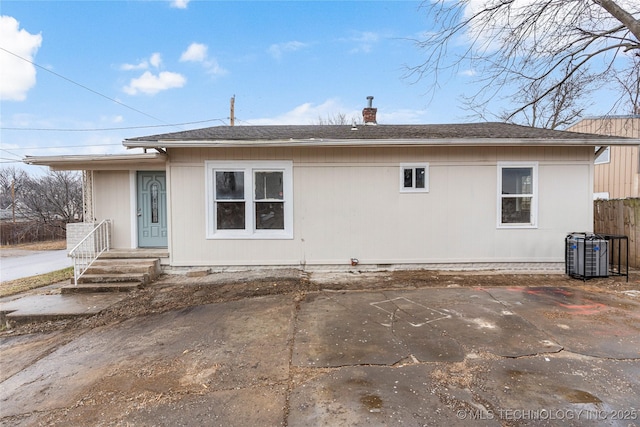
(109, 129)
(83, 86)
(9, 152)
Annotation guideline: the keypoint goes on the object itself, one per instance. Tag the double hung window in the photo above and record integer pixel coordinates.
(517, 194)
(249, 199)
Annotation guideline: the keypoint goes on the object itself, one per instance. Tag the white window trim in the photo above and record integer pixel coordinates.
(413, 166)
(249, 167)
(534, 196)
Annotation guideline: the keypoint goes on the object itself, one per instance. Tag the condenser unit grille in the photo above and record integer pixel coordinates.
(586, 255)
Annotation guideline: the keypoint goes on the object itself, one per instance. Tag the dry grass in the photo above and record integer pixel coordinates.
(16, 286)
(50, 245)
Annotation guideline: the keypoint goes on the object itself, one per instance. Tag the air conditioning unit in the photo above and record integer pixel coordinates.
(586, 255)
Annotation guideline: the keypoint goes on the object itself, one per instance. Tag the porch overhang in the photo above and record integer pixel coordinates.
(142, 161)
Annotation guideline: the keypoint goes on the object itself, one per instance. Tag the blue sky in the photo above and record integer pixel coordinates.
(133, 64)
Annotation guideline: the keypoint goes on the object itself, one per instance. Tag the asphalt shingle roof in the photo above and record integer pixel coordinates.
(367, 132)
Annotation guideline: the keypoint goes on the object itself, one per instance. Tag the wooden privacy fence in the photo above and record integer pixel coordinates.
(622, 217)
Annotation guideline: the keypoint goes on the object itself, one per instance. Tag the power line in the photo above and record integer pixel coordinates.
(9, 152)
(83, 86)
(109, 129)
(67, 146)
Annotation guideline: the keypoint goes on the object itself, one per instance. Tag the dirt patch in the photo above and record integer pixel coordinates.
(177, 291)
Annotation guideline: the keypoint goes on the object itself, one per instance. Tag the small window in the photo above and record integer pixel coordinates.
(517, 195)
(604, 156)
(414, 177)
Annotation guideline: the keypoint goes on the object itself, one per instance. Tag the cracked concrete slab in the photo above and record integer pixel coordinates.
(236, 344)
(568, 388)
(436, 356)
(430, 325)
(343, 329)
(588, 323)
(375, 396)
(35, 307)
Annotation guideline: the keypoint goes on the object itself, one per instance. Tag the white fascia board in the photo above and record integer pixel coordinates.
(474, 142)
(89, 162)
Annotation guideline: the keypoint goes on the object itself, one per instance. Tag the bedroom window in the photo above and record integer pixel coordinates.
(251, 200)
(414, 177)
(517, 195)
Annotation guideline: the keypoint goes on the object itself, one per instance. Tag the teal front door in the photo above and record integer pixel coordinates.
(152, 210)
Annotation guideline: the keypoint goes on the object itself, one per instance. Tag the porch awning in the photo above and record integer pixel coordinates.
(100, 162)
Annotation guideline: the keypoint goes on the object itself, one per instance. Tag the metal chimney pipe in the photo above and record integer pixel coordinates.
(370, 101)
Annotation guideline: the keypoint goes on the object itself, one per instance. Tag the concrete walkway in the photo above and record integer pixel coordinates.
(439, 356)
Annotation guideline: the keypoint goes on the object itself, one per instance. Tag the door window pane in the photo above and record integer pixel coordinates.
(230, 185)
(268, 186)
(269, 216)
(154, 203)
(230, 215)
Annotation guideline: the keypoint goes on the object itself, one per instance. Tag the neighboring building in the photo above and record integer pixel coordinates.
(484, 195)
(617, 170)
(17, 213)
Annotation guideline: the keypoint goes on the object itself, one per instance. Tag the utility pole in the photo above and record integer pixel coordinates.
(13, 199)
(232, 115)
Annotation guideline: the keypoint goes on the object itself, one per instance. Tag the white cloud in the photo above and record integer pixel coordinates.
(278, 49)
(150, 84)
(17, 76)
(156, 59)
(468, 73)
(364, 41)
(180, 4)
(196, 52)
(143, 65)
(403, 116)
(309, 113)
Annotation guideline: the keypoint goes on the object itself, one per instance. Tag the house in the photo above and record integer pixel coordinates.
(617, 170)
(478, 195)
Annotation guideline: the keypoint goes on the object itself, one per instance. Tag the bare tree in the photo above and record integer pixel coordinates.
(561, 108)
(54, 197)
(629, 84)
(516, 44)
(12, 181)
(336, 119)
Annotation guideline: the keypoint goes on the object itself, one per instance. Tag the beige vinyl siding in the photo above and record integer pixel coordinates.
(347, 204)
(620, 177)
(112, 196)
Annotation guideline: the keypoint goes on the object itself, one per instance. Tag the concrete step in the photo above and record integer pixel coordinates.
(91, 288)
(135, 253)
(117, 266)
(143, 278)
(118, 271)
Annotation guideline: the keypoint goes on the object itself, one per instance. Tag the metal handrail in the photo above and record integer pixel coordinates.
(89, 249)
